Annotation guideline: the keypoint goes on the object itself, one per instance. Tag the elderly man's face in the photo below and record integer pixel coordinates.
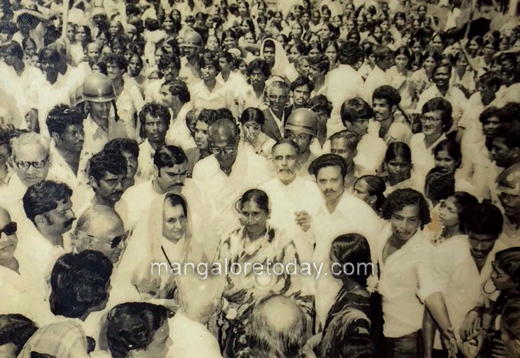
(31, 163)
(106, 236)
(225, 148)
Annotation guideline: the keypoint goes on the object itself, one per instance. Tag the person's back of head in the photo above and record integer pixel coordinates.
(484, 219)
(350, 54)
(439, 185)
(354, 109)
(132, 327)
(278, 325)
(79, 283)
(15, 330)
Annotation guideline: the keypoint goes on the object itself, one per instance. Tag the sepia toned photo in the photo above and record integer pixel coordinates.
(259, 179)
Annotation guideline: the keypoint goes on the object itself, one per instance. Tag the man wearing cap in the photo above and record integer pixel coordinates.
(302, 127)
(508, 187)
(190, 49)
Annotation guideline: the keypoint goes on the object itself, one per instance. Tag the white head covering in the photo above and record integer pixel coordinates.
(281, 62)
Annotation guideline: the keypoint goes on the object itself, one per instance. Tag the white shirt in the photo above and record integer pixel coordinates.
(455, 96)
(423, 159)
(179, 134)
(370, 152)
(191, 339)
(352, 215)
(221, 192)
(459, 278)
(285, 201)
(339, 89)
(400, 279)
(218, 97)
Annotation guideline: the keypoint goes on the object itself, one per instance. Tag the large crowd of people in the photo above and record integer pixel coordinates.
(372, 146)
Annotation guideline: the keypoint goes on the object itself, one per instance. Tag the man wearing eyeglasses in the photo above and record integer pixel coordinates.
(48, 207)
(225, 175)
(30, 161)
(100, 228)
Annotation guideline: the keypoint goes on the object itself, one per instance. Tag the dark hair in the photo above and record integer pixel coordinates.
(398, 149)
(439, 185)
(116, 59)
(354, 109)
(484, 219)
(259, 64)
(168, 60)
(350, 53)
(328, 160)
(106, 162)
(16, 329)
(463, 201)
(252, 114)
(375, 186)
(510, 132)
(174, 200)
(178, 88)
(227, 56)
(319, 103)
(42, 197)
(208, 116)
(13, 49)
(300, 82)
(509, 261)
(492, 79)
(225, 123)
(209, 58)
(321, 63)
(61, 117)
(155, 110)
(453, 149)
(50, 54)
(132, 326)
(259, 197)
(168, 156)
(389, 93)
(353, 248)
(400, 198)
(492, 112)
(123, 145)
(79, 282)
(442, 105)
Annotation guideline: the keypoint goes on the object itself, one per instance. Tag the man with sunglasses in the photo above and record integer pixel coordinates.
(225, 175)
(48, 207)
(100, 228)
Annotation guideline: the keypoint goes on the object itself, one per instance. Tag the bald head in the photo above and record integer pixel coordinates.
(199, 297)
(101, 229)
(192, 38)
(278, 325)
(223, 129)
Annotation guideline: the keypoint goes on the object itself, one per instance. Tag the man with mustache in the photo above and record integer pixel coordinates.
(385, 101)
(290, 209)
(338, 212)
(155, 121)
(48, 206)
(107, 176)
(169, 175)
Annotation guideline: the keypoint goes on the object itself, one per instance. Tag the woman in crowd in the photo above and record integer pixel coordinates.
(370, 189)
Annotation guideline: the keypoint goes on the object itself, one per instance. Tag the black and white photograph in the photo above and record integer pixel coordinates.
(259, 179)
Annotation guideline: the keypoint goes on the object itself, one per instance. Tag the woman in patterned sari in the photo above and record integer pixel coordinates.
(255, 247)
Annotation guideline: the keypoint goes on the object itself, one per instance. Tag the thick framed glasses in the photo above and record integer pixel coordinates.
(223, 151)
(425, 119)
(36, 165)
(9, 229)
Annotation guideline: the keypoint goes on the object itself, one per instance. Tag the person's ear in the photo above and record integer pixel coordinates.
(56, 137)
(93, 182)
(40, 220)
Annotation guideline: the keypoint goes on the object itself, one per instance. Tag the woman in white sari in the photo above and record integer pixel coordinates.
(278, 62)
(161, 240)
